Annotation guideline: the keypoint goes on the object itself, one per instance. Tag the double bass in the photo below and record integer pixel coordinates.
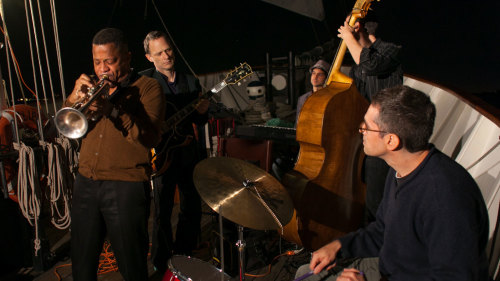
(325, 184)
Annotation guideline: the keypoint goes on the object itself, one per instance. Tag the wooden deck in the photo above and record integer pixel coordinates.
(262, 249)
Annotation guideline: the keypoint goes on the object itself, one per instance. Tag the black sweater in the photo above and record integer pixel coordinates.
(431, 225)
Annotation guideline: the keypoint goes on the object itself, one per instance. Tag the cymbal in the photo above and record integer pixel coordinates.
(243, 193)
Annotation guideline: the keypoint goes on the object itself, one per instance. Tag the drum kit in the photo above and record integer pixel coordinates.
(242, 193)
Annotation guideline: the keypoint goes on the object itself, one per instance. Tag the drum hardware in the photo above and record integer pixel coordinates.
(248, 195)
(72, 122)
(182, 268)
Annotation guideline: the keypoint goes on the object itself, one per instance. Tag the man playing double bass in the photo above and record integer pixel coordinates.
(377, 66)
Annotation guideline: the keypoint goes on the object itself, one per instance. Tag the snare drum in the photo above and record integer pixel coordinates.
(182, 268)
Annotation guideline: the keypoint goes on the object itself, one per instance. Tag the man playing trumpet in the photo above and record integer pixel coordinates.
(111, 191)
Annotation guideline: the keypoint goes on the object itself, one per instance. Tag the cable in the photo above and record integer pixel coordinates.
(107, 260)
(287, 253)
(59, 278)
(17, 64)
(173, 42)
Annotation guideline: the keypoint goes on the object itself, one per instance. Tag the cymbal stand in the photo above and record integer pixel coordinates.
(221, 242)
(241, 252)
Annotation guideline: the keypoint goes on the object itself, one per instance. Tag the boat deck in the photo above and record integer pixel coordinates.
(262, 249)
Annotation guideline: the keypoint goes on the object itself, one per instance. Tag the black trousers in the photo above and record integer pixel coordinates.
(375, 174)
(119, 210)
(163, 246)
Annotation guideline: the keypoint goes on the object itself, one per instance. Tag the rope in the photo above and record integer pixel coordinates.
(39, 65)
(46, 59)
(58, 184)
(58, 48)
(7, 39)
(29, 201)
(70, 153)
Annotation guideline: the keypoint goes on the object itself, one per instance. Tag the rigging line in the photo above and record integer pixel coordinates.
(243, 97)
(113, 11)
(234, 98)
(40, 68)
(4, 99)
(44, 41)
(37, 47)
(58, 47)
(7, 39)
(3, 96)
(177, 48)
(316, 36)
(18, 69)
(31, 50)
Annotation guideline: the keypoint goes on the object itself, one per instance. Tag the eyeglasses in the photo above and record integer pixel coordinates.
(363, 129)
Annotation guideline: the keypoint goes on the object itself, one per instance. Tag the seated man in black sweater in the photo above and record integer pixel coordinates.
(432, 223)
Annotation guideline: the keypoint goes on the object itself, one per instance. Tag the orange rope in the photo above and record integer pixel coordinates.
(107, 260)
(17, 65)
(59, 278)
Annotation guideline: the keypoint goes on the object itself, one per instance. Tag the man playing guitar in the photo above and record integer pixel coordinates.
(180, 89)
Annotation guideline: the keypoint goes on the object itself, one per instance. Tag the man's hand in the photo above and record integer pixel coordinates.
(351, 36)
(346, 31)
(351, 274)
(324, 256)
(202, 106)
(82, 84)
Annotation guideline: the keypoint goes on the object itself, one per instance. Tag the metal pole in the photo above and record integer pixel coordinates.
(4, 181)
(269, 88)
(241, 249)
(292, 99)
(221, 246)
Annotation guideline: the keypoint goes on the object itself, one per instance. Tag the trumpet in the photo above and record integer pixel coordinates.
(72, 122)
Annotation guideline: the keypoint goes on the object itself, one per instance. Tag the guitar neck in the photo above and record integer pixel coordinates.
(188, 109)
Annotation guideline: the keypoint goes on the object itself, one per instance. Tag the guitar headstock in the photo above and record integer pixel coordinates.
(238, 74)
(361, 8)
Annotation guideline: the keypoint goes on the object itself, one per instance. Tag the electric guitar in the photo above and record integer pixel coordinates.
(172, 139)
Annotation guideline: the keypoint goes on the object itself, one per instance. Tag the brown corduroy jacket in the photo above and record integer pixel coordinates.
(118, 148)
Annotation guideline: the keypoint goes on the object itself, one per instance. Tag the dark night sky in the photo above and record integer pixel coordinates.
(450, 42)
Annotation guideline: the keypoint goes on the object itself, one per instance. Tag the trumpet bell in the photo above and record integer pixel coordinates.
(71, 123)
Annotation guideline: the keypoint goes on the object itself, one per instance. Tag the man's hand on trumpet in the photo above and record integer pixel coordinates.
(82, 86)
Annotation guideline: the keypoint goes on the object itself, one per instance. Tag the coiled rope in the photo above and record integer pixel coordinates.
(58, 184)
(70, 149)
(29, 201)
